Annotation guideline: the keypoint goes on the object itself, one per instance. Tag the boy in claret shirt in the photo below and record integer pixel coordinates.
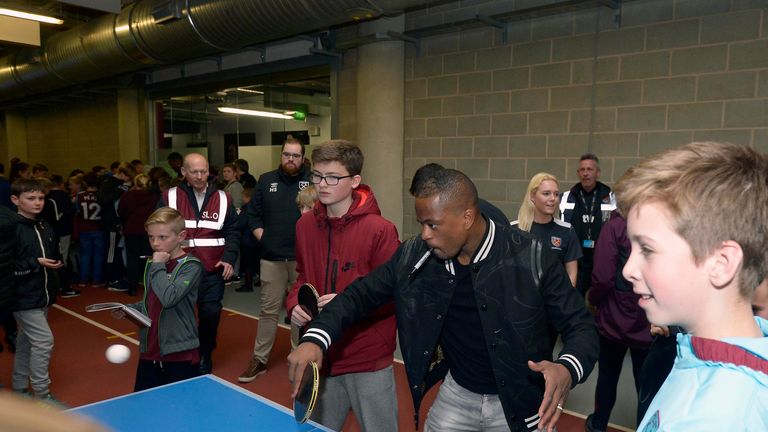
(92, 240)
(169, 348)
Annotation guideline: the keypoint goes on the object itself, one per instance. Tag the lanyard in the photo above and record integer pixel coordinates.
(591, 217)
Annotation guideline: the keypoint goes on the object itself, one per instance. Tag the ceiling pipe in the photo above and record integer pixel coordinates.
(156, 32)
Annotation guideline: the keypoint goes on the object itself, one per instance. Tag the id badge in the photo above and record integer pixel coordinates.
(588, 244)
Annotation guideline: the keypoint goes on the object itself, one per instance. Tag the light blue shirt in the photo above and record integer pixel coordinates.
(703, 395)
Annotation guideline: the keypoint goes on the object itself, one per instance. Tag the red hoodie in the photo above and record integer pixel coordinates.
(330, 254)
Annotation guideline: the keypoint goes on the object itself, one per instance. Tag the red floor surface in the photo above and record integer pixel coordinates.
(81, 374)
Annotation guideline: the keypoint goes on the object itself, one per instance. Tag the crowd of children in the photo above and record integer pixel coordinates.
(94, 230)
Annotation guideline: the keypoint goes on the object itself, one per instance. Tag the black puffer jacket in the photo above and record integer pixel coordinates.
(8, 221)
(36, 286)
(520, 289)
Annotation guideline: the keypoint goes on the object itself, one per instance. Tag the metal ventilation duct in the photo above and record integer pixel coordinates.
(153, 32)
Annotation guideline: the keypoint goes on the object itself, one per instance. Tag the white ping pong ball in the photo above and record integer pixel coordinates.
(118, 354)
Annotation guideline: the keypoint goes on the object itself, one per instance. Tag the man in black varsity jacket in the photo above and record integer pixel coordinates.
(473, 302)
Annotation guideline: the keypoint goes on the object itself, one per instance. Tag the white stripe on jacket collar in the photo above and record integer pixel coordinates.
(483, 251)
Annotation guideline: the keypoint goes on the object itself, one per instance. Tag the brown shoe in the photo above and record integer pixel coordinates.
(255, 368)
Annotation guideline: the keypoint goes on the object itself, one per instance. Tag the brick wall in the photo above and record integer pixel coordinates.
(672, 72)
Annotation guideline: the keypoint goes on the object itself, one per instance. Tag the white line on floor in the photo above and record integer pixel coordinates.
(285, 326)
(611, 425)
(96, 324)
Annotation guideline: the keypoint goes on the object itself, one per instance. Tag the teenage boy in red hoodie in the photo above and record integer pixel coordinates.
(345, 237)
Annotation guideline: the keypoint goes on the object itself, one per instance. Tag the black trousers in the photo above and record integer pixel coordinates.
(136, 246)
(209, 296)
(611, 360)
(656, 368)
(152, 374)
(114, 270)
(584, 277)
(9, 324)
(249, 260)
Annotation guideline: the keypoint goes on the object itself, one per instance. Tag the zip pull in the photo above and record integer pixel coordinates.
(334, 275)
(419, 263)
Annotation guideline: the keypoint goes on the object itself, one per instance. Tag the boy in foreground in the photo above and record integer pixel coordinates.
(697, 219)
(169, 347)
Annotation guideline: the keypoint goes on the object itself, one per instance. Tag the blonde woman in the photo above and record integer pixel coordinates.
(537, 216)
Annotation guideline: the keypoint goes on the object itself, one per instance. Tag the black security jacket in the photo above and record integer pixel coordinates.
(520, 287)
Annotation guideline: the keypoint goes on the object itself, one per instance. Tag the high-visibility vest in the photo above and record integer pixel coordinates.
(204, 238)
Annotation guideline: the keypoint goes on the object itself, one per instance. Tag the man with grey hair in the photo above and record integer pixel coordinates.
(213, 237)
(586, 207)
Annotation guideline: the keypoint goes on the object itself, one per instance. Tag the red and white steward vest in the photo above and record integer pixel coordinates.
(204, 238)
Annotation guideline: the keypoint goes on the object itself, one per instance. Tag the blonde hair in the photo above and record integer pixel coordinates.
(141, 181)
(526, 213)
(307, 197)
(127, 169)
(713, 192)
(166, 216)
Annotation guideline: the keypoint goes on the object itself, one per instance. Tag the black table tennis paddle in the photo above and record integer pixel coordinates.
(305, 399)
(308, 300)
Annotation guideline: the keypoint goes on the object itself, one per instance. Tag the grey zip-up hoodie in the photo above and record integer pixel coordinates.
(177, 292)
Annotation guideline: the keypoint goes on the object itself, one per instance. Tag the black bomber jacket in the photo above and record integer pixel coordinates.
(520, 288)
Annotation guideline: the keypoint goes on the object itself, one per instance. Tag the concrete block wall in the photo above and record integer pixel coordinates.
(346, 104)
(670, 73)
(80, 135)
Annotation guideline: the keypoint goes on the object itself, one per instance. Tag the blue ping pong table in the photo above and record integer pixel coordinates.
(205, 403)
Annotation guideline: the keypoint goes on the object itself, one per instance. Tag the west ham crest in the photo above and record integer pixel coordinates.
(556, 241)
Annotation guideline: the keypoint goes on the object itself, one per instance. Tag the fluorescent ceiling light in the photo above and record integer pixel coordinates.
(30, 16)
(254, 113)
(247, 90)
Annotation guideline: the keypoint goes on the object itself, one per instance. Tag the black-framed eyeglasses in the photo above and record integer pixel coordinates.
(329, 180)
(288, 155)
